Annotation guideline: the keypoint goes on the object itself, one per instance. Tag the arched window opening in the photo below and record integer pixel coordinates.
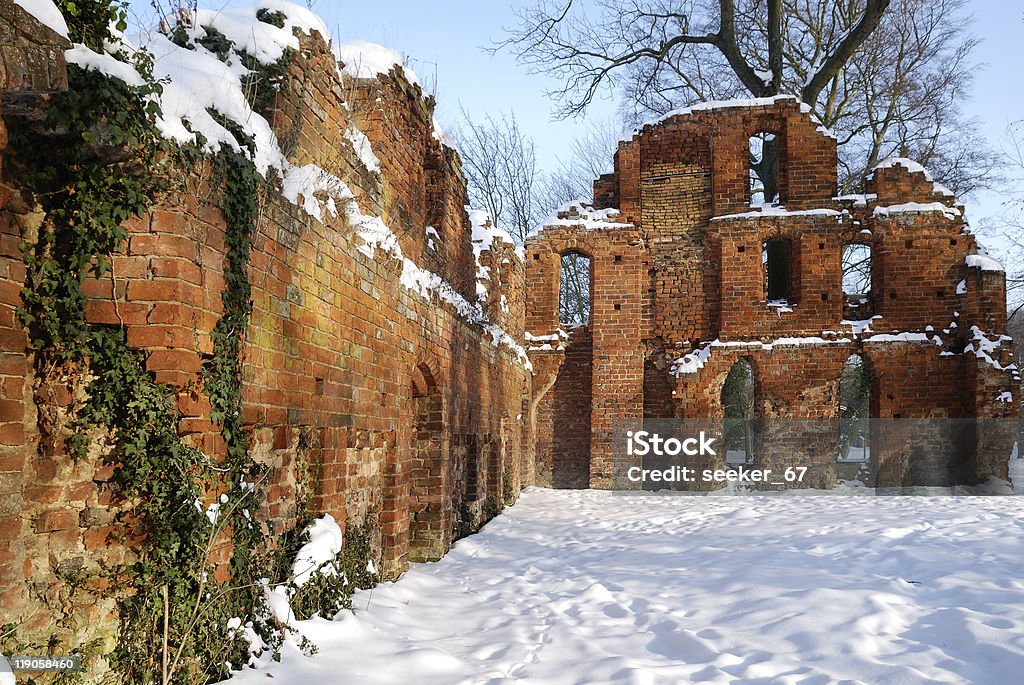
(764, 168)
(775, 262)
(855, 410)
(738, 405)
(574, 290)
(856, 261)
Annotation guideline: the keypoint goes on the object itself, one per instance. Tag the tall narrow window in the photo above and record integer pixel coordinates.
(856, 261)
(574, 290)
(738, 405)
(764, 169)
(775, 262)
(854, 410)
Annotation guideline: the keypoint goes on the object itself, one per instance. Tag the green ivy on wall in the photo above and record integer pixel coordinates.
(96, 161)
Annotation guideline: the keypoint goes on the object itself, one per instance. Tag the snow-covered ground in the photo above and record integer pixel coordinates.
(600, 587)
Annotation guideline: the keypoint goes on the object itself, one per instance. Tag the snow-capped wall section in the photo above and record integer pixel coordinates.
(263, 40)
(983, 262)
(197, 85)
(583, 214)
(905, 183)
(362, 59)
(47, 14)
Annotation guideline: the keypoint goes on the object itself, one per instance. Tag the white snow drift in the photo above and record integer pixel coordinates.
(599, 587)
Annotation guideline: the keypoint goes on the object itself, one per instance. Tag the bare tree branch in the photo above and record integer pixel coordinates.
(845, 50)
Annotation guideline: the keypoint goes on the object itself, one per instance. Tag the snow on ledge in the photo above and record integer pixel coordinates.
(982, 262)
(903, 337)
(582, 213)
(777, 210)
(917, 208)
(860, 326)
(83, 57)
(695, 361)
(47, 14)
(985, 347)
(363, 148)
(858, 199)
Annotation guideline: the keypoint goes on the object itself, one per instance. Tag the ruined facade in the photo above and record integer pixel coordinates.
(692, 272)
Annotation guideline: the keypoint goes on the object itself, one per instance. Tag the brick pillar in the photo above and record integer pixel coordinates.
(618, 354)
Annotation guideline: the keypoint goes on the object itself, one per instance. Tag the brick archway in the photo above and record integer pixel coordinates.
(430, 510)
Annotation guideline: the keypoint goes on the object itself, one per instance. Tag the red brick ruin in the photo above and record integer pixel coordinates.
(680, 281)
(379, 401)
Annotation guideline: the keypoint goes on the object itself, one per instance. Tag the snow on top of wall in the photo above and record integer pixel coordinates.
(913, 167)
(376, 235)
(917, 208)
(908, 164)
(325, 541)
(724, 104)
(47, 14)
(484, 231)
(711, 105)
(484, 235)
(195, 81)
(776, 210)
(363, 59)
(983, 262)
(263, 41)
(582, 213)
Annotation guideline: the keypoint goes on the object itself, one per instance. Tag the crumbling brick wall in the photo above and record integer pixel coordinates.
(698, 280)
(338, 358)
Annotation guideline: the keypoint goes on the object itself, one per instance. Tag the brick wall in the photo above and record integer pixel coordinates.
(366, 398)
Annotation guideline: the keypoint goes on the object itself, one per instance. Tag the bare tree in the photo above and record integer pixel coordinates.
(500, 165)
(887, 76)
(588, 54)
(591, 154)
(574, 290)
(1007, 227)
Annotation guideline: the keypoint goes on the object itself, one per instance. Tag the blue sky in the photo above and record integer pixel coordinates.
(443, 43)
